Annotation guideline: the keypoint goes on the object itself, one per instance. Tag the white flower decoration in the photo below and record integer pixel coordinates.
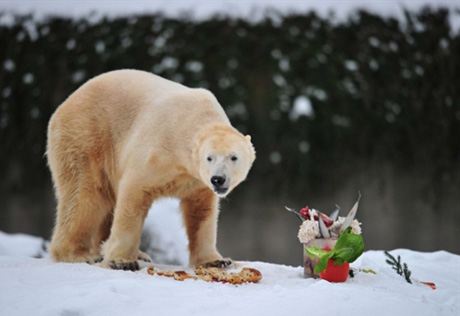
(309, 230)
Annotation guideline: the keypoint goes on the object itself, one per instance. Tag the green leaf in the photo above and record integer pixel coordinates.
(315, 252)
(347, 230)
(348, 247)
(339, 261)
(322, 263)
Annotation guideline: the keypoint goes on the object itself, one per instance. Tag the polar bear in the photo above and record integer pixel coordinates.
(125, 139)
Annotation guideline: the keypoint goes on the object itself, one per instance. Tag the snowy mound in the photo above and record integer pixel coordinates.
(22, 245)
(32, 286)
(164, 237)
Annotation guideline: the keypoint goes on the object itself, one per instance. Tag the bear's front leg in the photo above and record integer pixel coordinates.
(200, 211)
(120, 251)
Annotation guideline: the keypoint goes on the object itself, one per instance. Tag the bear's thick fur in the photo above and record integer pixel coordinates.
(126, 138)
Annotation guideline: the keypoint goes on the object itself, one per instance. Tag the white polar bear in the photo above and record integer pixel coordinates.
(126, 138)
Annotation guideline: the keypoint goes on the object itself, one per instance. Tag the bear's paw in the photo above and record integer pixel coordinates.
(121, 265)
(143, 257)
(221, 263)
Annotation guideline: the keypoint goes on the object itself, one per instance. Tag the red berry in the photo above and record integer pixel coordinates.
(305, 214)
(335, 273)
(327, 220)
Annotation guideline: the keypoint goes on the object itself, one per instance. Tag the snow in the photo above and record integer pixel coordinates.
(165, 234)
(301, 107)
(253, 9)
(20, 245)
(31, 286)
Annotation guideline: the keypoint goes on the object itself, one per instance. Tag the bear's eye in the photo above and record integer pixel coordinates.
(234, 158)
(209, 158)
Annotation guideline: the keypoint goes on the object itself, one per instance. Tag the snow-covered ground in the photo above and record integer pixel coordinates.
(31, 286)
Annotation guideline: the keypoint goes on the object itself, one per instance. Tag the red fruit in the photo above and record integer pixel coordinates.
(327, 220)
(304, 212)
(335, 273)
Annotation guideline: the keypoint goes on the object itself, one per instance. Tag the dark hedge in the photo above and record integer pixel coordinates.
(381, 89)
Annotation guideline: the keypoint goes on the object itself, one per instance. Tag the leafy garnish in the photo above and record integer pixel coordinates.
(347, 249)
(402, 270)
(315, 252)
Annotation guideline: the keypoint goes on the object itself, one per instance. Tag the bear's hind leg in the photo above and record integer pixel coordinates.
(78, 229)
(78, 154)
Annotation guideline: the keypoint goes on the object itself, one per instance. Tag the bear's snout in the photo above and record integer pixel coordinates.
(218, 183)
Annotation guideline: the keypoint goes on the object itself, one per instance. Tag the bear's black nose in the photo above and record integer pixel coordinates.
(217, 181)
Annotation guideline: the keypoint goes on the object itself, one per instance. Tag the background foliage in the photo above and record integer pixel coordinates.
(385, 97)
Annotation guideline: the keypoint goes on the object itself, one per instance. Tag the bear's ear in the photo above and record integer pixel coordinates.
(248, 138)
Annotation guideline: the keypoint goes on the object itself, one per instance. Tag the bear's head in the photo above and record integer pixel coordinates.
(225, 157)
